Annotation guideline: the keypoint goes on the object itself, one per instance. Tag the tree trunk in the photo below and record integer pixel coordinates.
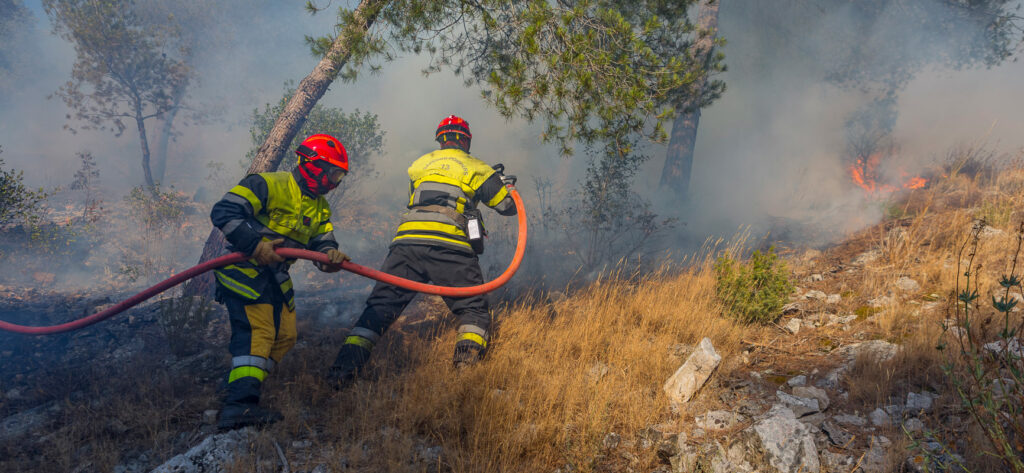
(160, 166)
(141, 124)
(679, 156)
(288, 124)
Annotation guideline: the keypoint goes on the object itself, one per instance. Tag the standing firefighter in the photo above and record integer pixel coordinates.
(264, 211)
(438, 240)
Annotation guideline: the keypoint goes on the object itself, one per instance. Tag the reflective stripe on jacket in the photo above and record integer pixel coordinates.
(269, 206)
(451, 178)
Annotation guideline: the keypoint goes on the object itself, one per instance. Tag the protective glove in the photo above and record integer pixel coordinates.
(264, 253)
(336, 258)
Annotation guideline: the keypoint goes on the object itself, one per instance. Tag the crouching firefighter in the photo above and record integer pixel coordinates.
(264, 211)
(438, 240)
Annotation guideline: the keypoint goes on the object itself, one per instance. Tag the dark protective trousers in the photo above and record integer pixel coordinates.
(422, 263)
(262, 331)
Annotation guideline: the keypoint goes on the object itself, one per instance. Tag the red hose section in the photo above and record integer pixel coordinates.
(292, 253)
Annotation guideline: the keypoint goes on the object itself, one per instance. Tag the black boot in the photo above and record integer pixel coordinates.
(467, 353)
(236, 416)
(349, 361)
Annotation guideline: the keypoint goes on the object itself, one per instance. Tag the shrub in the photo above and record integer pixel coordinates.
(184, 321)
(753, 292)
(154, 208)
(18, 203)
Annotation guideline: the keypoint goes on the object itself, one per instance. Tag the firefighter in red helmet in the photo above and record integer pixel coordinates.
(264, 211)
(438, 240)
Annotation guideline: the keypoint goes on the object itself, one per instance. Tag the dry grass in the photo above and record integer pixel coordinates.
(557, 380)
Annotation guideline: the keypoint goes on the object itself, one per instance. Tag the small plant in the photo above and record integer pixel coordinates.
(86, 180)
(986, 364)
(184, 320)
(154, 208)
(753, 292)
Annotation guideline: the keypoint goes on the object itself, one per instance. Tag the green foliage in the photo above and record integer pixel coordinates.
(18, 204)
(156, 210)
(986, 367)
(359, 132)
(592, 70)
(753, 292)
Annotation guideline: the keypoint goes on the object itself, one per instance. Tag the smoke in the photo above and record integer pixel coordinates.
(806, 78)
(769, 153)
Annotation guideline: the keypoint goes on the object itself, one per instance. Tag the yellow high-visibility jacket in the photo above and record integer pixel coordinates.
(450, 178)
(269, 205)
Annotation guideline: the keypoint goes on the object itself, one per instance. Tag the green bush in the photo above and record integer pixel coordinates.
(753, 292)
(18, 203)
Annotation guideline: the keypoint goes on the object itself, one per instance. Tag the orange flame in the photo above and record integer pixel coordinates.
(865, 173)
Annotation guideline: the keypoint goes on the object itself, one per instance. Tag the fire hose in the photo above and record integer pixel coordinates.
(237, 257)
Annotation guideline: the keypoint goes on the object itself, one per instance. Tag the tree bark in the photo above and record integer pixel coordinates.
(288, 124)
(140, 122)
(167, 130)
(675, 176)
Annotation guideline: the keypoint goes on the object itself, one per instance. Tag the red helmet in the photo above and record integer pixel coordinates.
(323, 147)
(452, 124)
(323, 161)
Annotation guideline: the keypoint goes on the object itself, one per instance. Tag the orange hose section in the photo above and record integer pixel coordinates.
(225, 260)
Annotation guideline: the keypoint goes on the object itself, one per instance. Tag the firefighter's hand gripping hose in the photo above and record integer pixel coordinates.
(293, 253)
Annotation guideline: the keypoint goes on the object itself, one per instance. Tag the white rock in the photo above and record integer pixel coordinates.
(919, 402)
(798, 380)
(210, 455)
(815, 295)
(881, 301)
(692, 375)
(787, 442)
(867, 257)
(811, 392)
(717, 421)
(906, 284)
(881, 350)
(880, 418)
(800, 406)
(834, 299)
(793, 326)
(1014, 347)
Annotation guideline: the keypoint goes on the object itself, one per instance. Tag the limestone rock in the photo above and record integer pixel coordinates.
(846, 419)
(793, 326)
(836, 434)
(815, 295)
(716, 421)
(833, 299)
(787, 442)
(880, 418)
(798, 380)
(692, 375)
(811, 392)
(919, 402)
(799, 406)
(906, 284)
(210, 455)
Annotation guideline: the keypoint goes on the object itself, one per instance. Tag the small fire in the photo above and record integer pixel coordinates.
(865, 174)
